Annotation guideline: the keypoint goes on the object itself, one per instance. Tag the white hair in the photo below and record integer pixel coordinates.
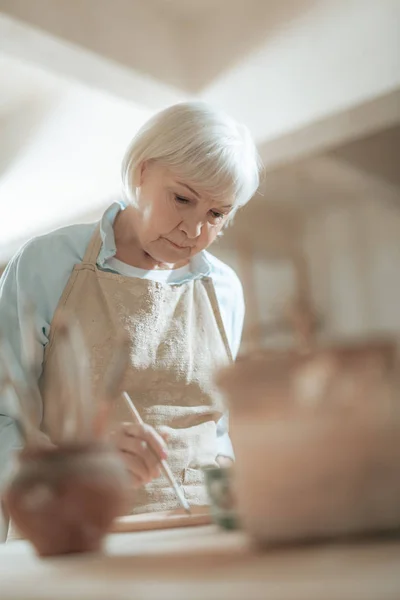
(203, 146)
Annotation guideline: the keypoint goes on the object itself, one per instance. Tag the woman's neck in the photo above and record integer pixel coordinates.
(129, 249)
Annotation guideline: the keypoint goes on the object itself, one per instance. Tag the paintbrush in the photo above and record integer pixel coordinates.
(81, 368)
(28, 336)
(66, 393)
(164, 465)
(75, 395)
(28, 355)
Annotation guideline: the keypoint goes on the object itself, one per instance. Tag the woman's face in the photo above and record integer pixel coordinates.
(174, 221)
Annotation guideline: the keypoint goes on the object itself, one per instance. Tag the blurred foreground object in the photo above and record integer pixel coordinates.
(316, 432)
(63, 498)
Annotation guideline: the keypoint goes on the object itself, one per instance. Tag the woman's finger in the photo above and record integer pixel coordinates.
(136, 483)
(137, 467)
(149, 435)
(135, 464)
(139, 447)
(165, 434)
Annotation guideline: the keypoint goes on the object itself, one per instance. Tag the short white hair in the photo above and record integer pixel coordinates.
(203, 146)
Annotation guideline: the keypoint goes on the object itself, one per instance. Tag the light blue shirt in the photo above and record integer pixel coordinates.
(40, 271)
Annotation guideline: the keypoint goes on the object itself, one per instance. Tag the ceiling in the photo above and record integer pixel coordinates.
(192, 9)
(280, 67)
(312, 80)
(185, 43)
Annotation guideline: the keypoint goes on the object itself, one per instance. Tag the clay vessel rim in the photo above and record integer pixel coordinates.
(67, 450)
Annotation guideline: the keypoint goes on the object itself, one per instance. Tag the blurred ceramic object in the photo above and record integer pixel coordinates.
(317, 441)
(219, 483)
(64, 499)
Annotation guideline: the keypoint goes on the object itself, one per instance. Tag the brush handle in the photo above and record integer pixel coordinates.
(164, 465)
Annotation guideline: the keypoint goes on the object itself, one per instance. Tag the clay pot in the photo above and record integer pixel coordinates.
(317, 441)
(64, 499)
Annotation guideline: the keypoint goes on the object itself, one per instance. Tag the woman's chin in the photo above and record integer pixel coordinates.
(167, 253)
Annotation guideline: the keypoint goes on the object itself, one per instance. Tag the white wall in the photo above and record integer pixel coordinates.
(67, 163)
(354, 258)
(351, 242)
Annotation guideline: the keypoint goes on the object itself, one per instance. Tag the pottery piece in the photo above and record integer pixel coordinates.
(219, 483)
(64, 499)
(317, 441)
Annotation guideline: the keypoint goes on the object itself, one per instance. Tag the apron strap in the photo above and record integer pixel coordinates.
(94, 247)
(210, 288)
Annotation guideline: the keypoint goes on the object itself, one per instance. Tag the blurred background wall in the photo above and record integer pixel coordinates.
(317, 82)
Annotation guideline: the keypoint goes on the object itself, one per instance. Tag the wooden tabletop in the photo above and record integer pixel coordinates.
(203, 563)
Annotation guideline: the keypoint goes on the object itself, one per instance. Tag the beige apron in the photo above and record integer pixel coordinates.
(177, 341)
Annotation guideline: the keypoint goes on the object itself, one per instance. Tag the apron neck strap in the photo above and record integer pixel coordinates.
(94, 247)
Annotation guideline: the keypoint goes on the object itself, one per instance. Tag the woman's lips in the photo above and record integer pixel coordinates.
(176, 245)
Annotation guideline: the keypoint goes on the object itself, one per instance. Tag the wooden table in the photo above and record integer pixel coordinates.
(203, 563)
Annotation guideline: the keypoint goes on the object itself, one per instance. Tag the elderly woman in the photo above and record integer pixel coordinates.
(145, 268)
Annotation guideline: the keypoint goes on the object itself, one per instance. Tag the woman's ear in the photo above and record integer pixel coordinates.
(140, 173)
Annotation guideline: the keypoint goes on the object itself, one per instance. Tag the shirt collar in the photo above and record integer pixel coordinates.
(200, 265)
(108, 248)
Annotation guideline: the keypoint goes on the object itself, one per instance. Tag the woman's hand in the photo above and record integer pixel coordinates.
(141, 447)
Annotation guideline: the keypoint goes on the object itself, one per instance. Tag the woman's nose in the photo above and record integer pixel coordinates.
(191, 228)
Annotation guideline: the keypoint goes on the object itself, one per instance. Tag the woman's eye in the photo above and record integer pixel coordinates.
(216, 215)
(181, 200)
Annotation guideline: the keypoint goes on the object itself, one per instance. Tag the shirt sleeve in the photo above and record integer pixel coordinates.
(16, 286)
